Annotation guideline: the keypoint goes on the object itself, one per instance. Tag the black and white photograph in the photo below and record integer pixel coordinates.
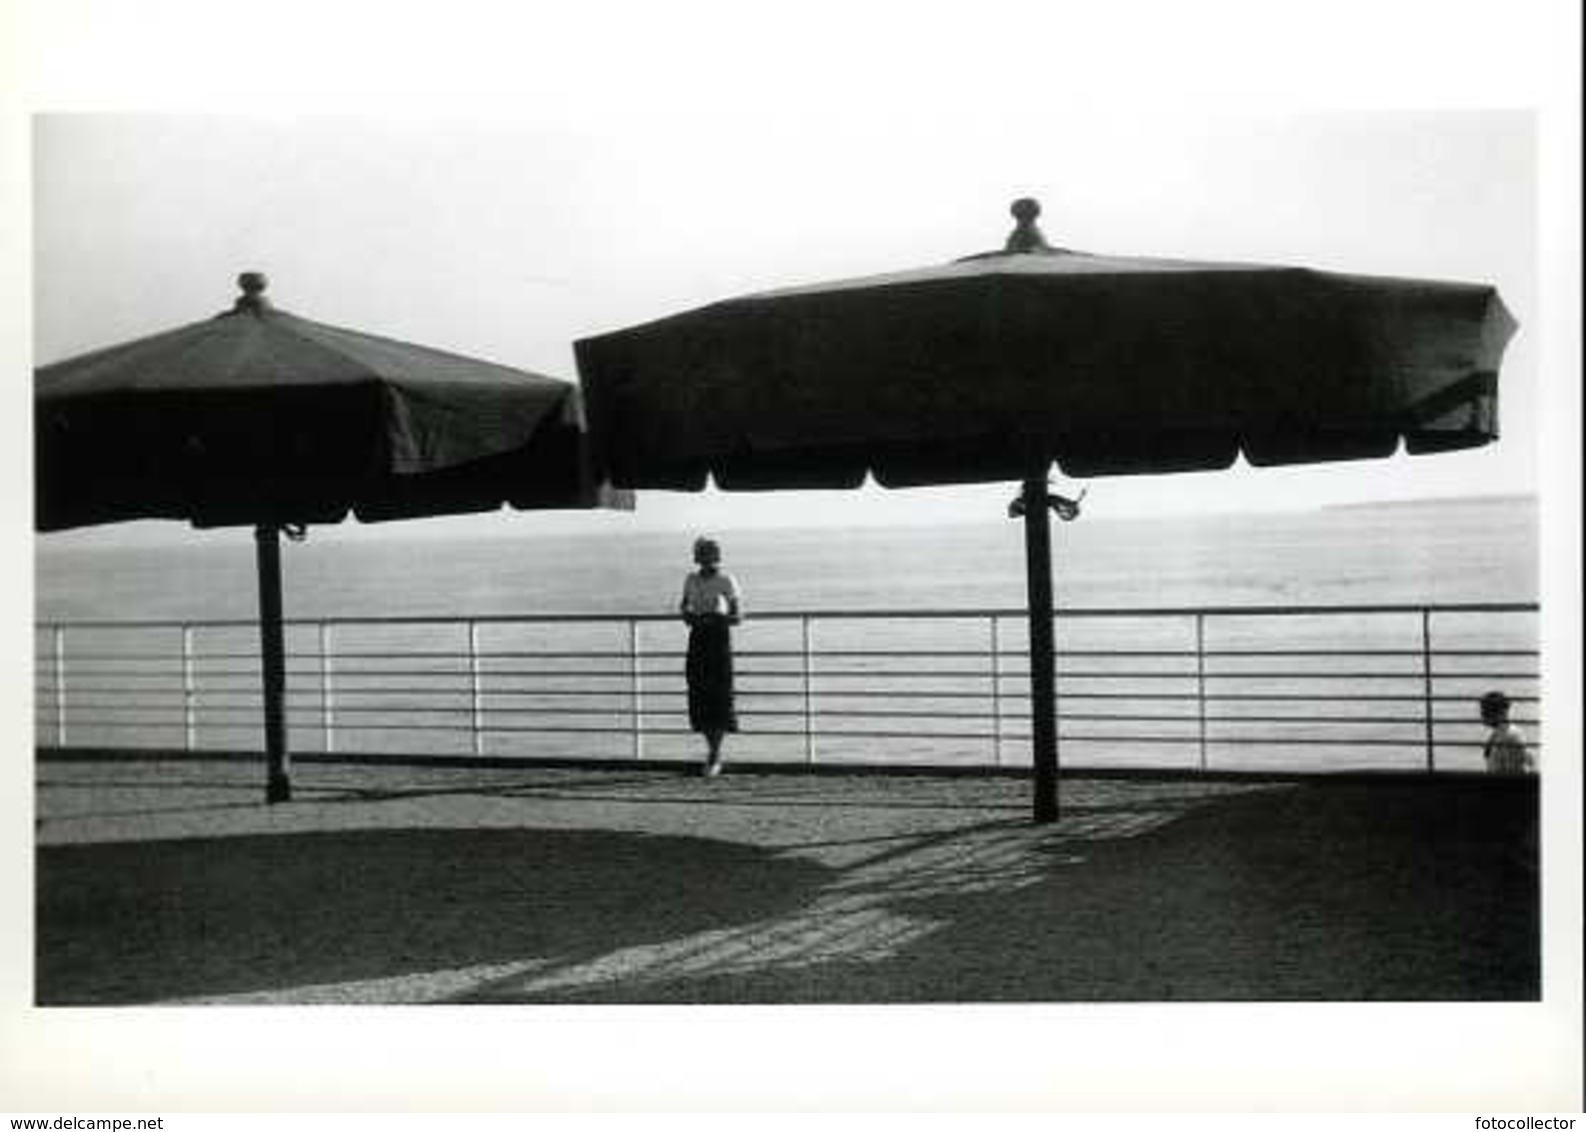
(685, 563)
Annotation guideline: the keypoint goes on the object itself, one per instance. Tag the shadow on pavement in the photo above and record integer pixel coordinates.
(1325, 893)
(1322, 893)
(139, 922)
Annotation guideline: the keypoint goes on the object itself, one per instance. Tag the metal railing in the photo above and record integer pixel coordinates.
(1218, 688)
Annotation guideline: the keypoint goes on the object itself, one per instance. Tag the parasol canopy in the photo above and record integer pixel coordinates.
(980, 369)
(999, 365)
(259, 417)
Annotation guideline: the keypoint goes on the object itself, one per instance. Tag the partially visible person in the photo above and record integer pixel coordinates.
(710, 607)
(1505, 751)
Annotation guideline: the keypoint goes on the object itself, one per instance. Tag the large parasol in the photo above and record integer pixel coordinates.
(258, 417)
(997, 365)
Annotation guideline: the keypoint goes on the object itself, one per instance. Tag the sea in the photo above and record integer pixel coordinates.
(1479, 549)
(1422, 553)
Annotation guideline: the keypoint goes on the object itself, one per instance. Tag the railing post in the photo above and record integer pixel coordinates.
(60, 685)
(476, 677)
(189, 691)
(807, 636)
(996, 690)
(1200, 681)
(327, 695)
(636, 669)
(1426, 676)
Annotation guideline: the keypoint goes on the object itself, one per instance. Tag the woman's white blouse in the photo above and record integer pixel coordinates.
(709, 593)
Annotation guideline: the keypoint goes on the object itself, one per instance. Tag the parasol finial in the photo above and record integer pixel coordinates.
(1026, 235)
(252, 298)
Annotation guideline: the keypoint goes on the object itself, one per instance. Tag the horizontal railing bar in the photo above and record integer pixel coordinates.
(168, 703)
(1353, 675)
(307, 693)
(129, 681)
(1095, 717)
(877, 714)
(871, 733)
(80, 658)
(774, 674)
(879, 673)
(774, 694)
(507, 729)
(760, 654)
(1417, 743)
(1230, 741)
(80, 721)
(1128, 717)
(783, 654)
(1321, 652)
(977, 736)
(1486, 652)
(447, 728)
(310, 708)
(301, 714)
(533, 653)
(1319, 720)
(1253, 697)
(94, 659)
(1135, 674)
(83, 667)
(315, 718)
(843, 654)
(1485, 674)
(339, 655)
(310, 698)
(1078, 674)
(84, 693)
(175, 696)
(1143, 613)
(177, 674)
(464, 680)
(487, 692)
(887, 693)
(491, 654)
(177, 725)
(91, 657)
(1329, 720)
(1011, 675)
(395, 670)
(1014, 736)
(1007, 736)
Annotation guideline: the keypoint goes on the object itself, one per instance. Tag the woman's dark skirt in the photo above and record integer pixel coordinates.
(709, 670)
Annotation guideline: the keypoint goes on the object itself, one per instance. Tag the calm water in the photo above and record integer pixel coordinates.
(1473, 550)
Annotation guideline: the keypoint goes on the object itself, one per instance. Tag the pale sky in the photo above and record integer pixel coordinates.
(507, 239)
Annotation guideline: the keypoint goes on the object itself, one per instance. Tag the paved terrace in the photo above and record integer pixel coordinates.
(172, 882)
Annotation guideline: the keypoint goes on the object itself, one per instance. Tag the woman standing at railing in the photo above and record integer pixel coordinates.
(710, 607)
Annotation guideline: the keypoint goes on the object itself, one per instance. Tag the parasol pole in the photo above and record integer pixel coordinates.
(272, 655)
(1036, 503)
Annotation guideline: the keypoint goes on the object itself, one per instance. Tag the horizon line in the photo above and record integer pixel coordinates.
(174, 532)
